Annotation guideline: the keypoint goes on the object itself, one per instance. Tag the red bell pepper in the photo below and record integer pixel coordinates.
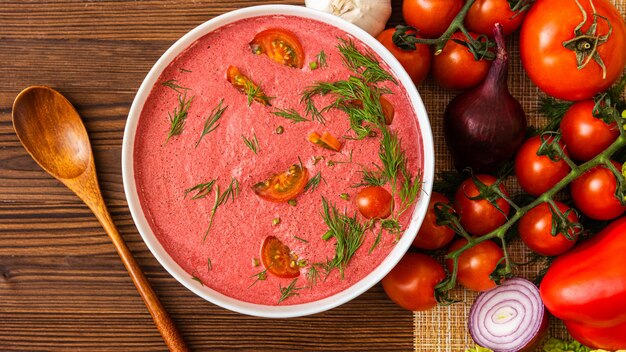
(612, 338)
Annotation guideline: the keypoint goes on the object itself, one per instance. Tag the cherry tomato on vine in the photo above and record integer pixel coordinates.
(537, 174)
(548, 47)
(374, 202)
(476, 264)
(411, 284)
(431, 235)
(484, 14)
(479, 217)
(535, 229)
(456, 68)
(277, 258)
(415, 62)
(594, 193)
(430, 17)
(279, 45)
(584, 135)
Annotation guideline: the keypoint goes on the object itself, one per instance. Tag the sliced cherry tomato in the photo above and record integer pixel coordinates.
(535, 229)
(537, 174)
(479, 217)
(484, 14)
(431, 235)
(388, 109)
(456, 68)
(476, 264)
(283, 187)
(279, 45)
(411, 284)
(374, 202)
(278, 259)
(246, 86)
(327, 141)
(594, 194)
(415, 62)
(430, 17)
(585, 135)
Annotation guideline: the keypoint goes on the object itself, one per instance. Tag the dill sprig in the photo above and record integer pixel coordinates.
(222, 198)
(348, 233)
(201, 189)
(391, 156)
(364, 64)
(314, 182)
(251, 143)
(300, 239)
(254, 92)
(260, 276)
(372, 177)
(178, 116)
(313, 274)
(212, 120)
(182, 69)
(196, 278)
(321, 59)
(289, 291)
(173, 84)
(290, 114)
(209, 264)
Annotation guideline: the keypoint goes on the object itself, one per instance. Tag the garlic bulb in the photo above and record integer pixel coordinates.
(371, 15)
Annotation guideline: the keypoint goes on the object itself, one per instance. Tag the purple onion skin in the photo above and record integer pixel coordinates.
(486, 125)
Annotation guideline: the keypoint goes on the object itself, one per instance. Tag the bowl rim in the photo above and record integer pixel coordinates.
(215, 297)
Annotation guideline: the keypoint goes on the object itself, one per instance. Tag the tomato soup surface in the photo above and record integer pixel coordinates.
(227, 260)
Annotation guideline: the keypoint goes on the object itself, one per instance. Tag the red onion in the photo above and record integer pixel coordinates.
(486, 125)
(509, 318)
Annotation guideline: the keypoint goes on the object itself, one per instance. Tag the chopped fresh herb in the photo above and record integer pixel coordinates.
(211, 120)
(365, 65)
(372, 178)
(321, 59)
(314, 182)
(289, 114)
(379, 236)
(275, 221)
(260, 276)
(312, 274)
(222, 198)
(201, 189)
(302, 262)
(391, 156)
(300, 239)
(173, 84)
(184, 70)
(344, 196)
(289, 291)
(255, 262)
(251, 143)
(292, 202)
(195, 278)
(178, 116)
(280, 130)
(313, 65)
(209, 264)
(254, 92)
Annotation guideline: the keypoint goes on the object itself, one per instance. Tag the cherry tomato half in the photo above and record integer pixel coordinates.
(584, 135)
(535, 229)
(326, 141)
(387, 107)
(479, 217)
(431, 235)
(456, 68)
(537, 174)
(283, 187)
(484, 14)
(430, 17)
(245, 85)
(277, 258)
(411, 284)
(476, 264)
(594, 194)
(374, 202)
(279, 45)
(415, 62)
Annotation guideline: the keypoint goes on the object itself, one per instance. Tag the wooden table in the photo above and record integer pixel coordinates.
(62, 286)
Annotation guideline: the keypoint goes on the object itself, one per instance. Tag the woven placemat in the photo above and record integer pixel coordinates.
(445, 328)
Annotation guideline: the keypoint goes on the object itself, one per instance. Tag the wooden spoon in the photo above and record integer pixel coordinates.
(53, 134)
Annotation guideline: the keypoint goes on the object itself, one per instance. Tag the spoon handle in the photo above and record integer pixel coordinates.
(172, 337)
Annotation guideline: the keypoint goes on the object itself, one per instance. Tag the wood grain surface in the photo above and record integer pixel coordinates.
(62, 285)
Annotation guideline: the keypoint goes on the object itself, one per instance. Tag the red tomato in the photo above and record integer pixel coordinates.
(411, 284)
(456, 68)
(479, 217)
(326, 141)
(244, 84)
(535, 229)
(431, 235)
(415, 62)
(584, 135)
(279, 45)
(476, 264)
(552, 66)
(283, 187)
(430, 17)
(484, 14)
(537, 174)
(611, 338)
(594, 194)
(374, 202)
(277, 258)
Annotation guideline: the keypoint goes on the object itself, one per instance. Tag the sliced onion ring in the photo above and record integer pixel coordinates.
(509, 318)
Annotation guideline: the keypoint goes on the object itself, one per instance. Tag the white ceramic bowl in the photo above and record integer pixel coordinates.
(164, 258)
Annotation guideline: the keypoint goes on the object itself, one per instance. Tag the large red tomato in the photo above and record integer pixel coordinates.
(484, 14)
(456, 68)
(479, 216)
(411, 284)
(584, 135)
(415, 62)
(594, 194)
(553, 67)
(431, 235)
(537, 174)
(476, 264)
(535, 229)
(430, 17)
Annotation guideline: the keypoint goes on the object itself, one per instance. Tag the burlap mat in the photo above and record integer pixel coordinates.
(445, 328)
